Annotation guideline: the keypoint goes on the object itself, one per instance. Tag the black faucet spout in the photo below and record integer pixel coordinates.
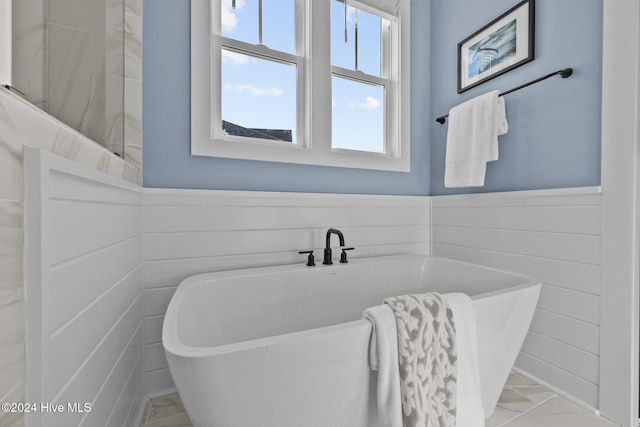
(334, 231)
(327, 249)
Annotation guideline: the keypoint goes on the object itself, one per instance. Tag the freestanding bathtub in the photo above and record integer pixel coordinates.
(286, 346)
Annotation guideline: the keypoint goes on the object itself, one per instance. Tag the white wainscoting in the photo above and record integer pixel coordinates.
(190, 232)
(84, 277)
(553, 235)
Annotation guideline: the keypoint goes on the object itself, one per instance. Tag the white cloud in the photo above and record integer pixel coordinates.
(234, 58)
(370, 104)
(253, 90)
(334, 102)
(228, 15)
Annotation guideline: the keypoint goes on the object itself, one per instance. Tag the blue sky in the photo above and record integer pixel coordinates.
(257, 93)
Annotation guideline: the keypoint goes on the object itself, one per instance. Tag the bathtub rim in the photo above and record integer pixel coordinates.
(172, 343)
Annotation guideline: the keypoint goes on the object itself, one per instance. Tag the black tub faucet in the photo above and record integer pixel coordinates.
(327, 248)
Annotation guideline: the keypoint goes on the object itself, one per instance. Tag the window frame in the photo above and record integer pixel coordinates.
(314, 71)
(262, 52)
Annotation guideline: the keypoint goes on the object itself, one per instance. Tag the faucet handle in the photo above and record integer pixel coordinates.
(310, 259)
(343, 255)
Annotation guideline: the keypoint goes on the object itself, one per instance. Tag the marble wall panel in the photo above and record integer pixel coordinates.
(77, 80)
(87, 15)
(12, 356)
(115, 57)
(114, 15)
(56, 43)
(82, 94)
(133, 83)
(10, 158)
(10, 247)
(30, 50)
(22, 124)
(13, 419)
(133, 122)
(114, 114)
(133, 46)
(133, 6)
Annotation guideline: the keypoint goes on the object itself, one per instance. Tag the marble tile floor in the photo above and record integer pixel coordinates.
(523, 403)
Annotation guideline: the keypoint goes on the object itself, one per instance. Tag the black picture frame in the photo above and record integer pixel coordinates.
(505, 43)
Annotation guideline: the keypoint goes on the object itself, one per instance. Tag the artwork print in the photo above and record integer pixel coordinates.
(500, 46)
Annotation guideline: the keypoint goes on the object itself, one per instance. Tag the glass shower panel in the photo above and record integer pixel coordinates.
(85, 75)
(68, 59)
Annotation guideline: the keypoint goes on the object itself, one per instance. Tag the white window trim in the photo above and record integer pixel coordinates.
(314, 129)
(261, 52)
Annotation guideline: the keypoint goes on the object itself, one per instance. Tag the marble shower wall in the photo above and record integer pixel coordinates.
(12, 356)
(85, 57)
(81, 61)
(133, 82)
(29, 26)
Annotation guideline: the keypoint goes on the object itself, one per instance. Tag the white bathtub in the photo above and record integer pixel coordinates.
(286, 346)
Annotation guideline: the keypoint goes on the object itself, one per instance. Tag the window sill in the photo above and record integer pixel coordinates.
(277, 152)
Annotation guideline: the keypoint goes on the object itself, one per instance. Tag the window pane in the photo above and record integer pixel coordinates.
(369, 38)
(358, 116)
(278, 25)
(258, 97)
(278, 22)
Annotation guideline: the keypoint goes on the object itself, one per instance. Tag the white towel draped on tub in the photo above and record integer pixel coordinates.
(472, 139)
(383, 357)
(426, 363)
(470, 412)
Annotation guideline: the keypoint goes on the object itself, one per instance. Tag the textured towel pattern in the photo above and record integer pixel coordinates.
(427, 357)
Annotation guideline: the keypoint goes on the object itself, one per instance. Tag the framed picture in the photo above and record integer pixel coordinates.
(502, 45)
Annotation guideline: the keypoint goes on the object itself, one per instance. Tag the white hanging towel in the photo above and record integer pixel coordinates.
(383, 357)
(470, 412)
(472, 140)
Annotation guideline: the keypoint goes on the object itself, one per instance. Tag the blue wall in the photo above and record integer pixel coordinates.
(554, 126)
(166, 155)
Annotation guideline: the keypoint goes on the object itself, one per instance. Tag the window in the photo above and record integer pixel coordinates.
(301, 81)
(359, 78)
(261, 63)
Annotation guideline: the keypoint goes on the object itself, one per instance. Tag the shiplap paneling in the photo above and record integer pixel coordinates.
(584, 249)
(563, 328)
(567, 275)
(189, 232)
(553, 235)
(84, 283)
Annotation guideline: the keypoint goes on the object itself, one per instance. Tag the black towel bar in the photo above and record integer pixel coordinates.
(563, 73)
